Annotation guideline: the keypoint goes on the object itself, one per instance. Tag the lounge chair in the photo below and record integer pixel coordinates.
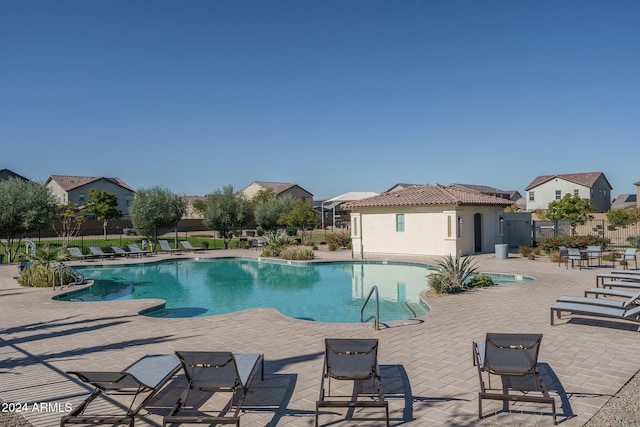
(119, 251)
(597, 292)
(574, 254)
(630, 301)
(602, 277)
(97, 251)
(76, 253)
(187, 246)
(164, 246)
(134, 249)
(215, 372)
(351, 360)
(146, 376)
(631, 314)
(628, 256)
(514, 358)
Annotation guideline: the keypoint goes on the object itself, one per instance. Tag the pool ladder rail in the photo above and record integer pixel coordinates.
(376, 317)
(65, 270)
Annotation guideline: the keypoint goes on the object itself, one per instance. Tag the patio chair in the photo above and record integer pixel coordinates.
(631, 314)
(75, 252)
(514, 358)
(630, 300)
(574, 254)
(97, 251)
(120, 251)
(594, 253)
(215, 372)
(187, 246)
(146, 376)
(564, 255)
(256, 244)
(134, 249)
(628, 256)
(351, 360)
(164, 246)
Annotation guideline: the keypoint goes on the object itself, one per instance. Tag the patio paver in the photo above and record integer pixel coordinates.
(427, 366)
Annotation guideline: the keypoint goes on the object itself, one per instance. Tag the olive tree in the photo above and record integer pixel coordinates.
(301, 214)
(570, 208)
(25, 206)
(156, 210)
(269, 211)
(102, 205)
(70, 220)
(225, 211)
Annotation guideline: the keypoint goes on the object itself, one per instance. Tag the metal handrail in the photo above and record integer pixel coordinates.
(77, 277)
(376, 318)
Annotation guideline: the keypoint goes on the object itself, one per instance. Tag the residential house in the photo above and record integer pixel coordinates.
(191, 213)
(75, 189)
(589, 185)
(279, 188)
(6, 174)
(426, 220)
(625, 201)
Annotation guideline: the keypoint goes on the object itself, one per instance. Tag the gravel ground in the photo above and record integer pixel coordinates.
(622, 410)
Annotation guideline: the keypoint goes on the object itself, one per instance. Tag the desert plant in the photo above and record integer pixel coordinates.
(342, 239)
(333, 246)
(297, 253)
(453, 274)
(480, 281)
(525, 250)
(275, 242)
(531, 256)
(40, 272)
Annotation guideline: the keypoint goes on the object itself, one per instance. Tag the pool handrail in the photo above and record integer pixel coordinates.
(376, 318)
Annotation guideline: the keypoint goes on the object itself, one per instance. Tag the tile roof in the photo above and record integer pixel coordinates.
(68, 183)
(422, 195)
(278, 187)
(588, 179)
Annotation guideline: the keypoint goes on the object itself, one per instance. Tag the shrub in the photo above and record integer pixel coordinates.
(250, 233)
(296, 253)
(551, 244)
(291, 231)
(453, 274)
(634, 241)
(205, 245)
(260, 231)
(342, 239)
(480, 281)
(525, 250)
(555, 256)
(531, 256)
(333, 246)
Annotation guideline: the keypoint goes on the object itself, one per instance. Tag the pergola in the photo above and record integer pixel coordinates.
(344, 198)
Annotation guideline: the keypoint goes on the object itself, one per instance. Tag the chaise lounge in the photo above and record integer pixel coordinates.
(165, 247)
(146, 376)
(351, 360)
(514, 358)
(631, 314)
(215, 372)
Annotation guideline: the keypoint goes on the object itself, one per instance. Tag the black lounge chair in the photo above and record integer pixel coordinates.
(514, 358)
(146, 376)
(215, 372)
(351, 360)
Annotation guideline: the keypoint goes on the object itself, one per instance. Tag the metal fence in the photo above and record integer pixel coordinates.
(614, 236)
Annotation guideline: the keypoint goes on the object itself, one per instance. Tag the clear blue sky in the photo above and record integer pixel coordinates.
(335, 96)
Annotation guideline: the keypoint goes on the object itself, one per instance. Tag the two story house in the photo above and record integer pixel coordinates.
(588, 185)
(75, 189)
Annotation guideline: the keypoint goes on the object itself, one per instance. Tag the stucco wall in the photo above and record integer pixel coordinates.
(546, 193)
(426, 230)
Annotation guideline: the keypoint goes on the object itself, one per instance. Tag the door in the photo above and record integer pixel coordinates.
(477, 232)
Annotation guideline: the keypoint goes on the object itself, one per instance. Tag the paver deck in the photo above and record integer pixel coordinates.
(426, 363)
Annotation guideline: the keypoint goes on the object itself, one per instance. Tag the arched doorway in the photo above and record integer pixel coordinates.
(477, 232)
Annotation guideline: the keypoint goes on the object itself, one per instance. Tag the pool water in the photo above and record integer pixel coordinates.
(325, 292)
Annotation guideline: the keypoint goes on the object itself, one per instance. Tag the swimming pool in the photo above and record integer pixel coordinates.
(326, 292)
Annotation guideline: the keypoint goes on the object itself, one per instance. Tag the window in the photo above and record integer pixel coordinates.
(449, 226)
(531, 196)
(81, 197)
(399, 222)
(576, 192)
(558, 194)
(355, 226)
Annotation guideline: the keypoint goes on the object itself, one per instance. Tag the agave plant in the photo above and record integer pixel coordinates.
(453, 274)
(274, 242)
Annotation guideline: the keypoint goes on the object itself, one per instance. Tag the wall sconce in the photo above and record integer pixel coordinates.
(460, 220)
